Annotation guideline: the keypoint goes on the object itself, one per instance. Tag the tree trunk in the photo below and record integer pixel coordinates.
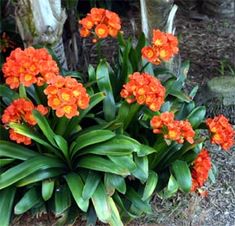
(41, 22)
(155, 15)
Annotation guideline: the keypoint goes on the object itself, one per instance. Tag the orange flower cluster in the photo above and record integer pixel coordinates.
(164, 46)
(222, 131)
(200, 169)
(145, 89)
(28, 67)
(65, 95)
(104, 23)
(172, 129)
(20, 111)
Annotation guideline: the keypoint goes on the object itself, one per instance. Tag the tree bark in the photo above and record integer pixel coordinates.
(41, 22)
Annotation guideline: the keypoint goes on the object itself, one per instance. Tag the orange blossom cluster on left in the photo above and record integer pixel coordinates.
(36, 67)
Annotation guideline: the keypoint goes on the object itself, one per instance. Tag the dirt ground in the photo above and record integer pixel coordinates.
(206, 43)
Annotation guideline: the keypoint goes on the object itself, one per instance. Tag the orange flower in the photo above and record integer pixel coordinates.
(87, 22)
(165, 53)
(19, 138)
(200, 169)
(84, 32)
(145, 89)
(101, 31)
(100, 22)
(222, 132)
(68, 111)
(150, 54)
(159, 38)
(65, 95)
(164, 46)
(172, 129)
(29, 66)
(20, 111)
(97, 15)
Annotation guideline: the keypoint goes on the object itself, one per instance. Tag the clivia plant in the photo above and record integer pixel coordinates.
(102, 146)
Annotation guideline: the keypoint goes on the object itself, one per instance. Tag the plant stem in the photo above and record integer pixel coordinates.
(146, 64)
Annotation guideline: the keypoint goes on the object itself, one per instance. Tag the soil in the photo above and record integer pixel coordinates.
(206, 42)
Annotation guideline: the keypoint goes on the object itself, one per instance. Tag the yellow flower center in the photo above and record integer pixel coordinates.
(158, 42)
(65, 96)
(27, 77)
(56, 101)
(101, 31)
(67, 109)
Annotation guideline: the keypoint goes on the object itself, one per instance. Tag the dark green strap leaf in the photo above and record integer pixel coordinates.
(91, 184)
(197, 116)
(16, 151)
(76, 185)
(182, 174)
(29, 200)
(101, 204)
(92, 137)
(150, 185)
(40, 175)
(102, 164)
(62, 199)
(26, 168)
(47, 189)
(6, 203)
(104, 84)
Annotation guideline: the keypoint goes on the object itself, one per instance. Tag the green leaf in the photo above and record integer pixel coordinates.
(136, 200)
(179, 94)
(5, 162)
(113, 182)
(62, 144)
(197, 116)
(141, 172)
(171, 189)
(94, 100)
(47, 189)
(150, 185)
(8, 93)
(145, 150)
(28, 132)
(124, 161)
(101, 204)
(44, 126)
(6, 203)
(62, 199)
(117, 146)
(103, 165)
(91, 73)
(16, 151)
(121, 204)
(140, 45)
(103, 82)
(115, 216)
(76, 185)
(26, 168)
(29, 200)
(92, 137)
(40, 175)
(182, 174)
(91, 184)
